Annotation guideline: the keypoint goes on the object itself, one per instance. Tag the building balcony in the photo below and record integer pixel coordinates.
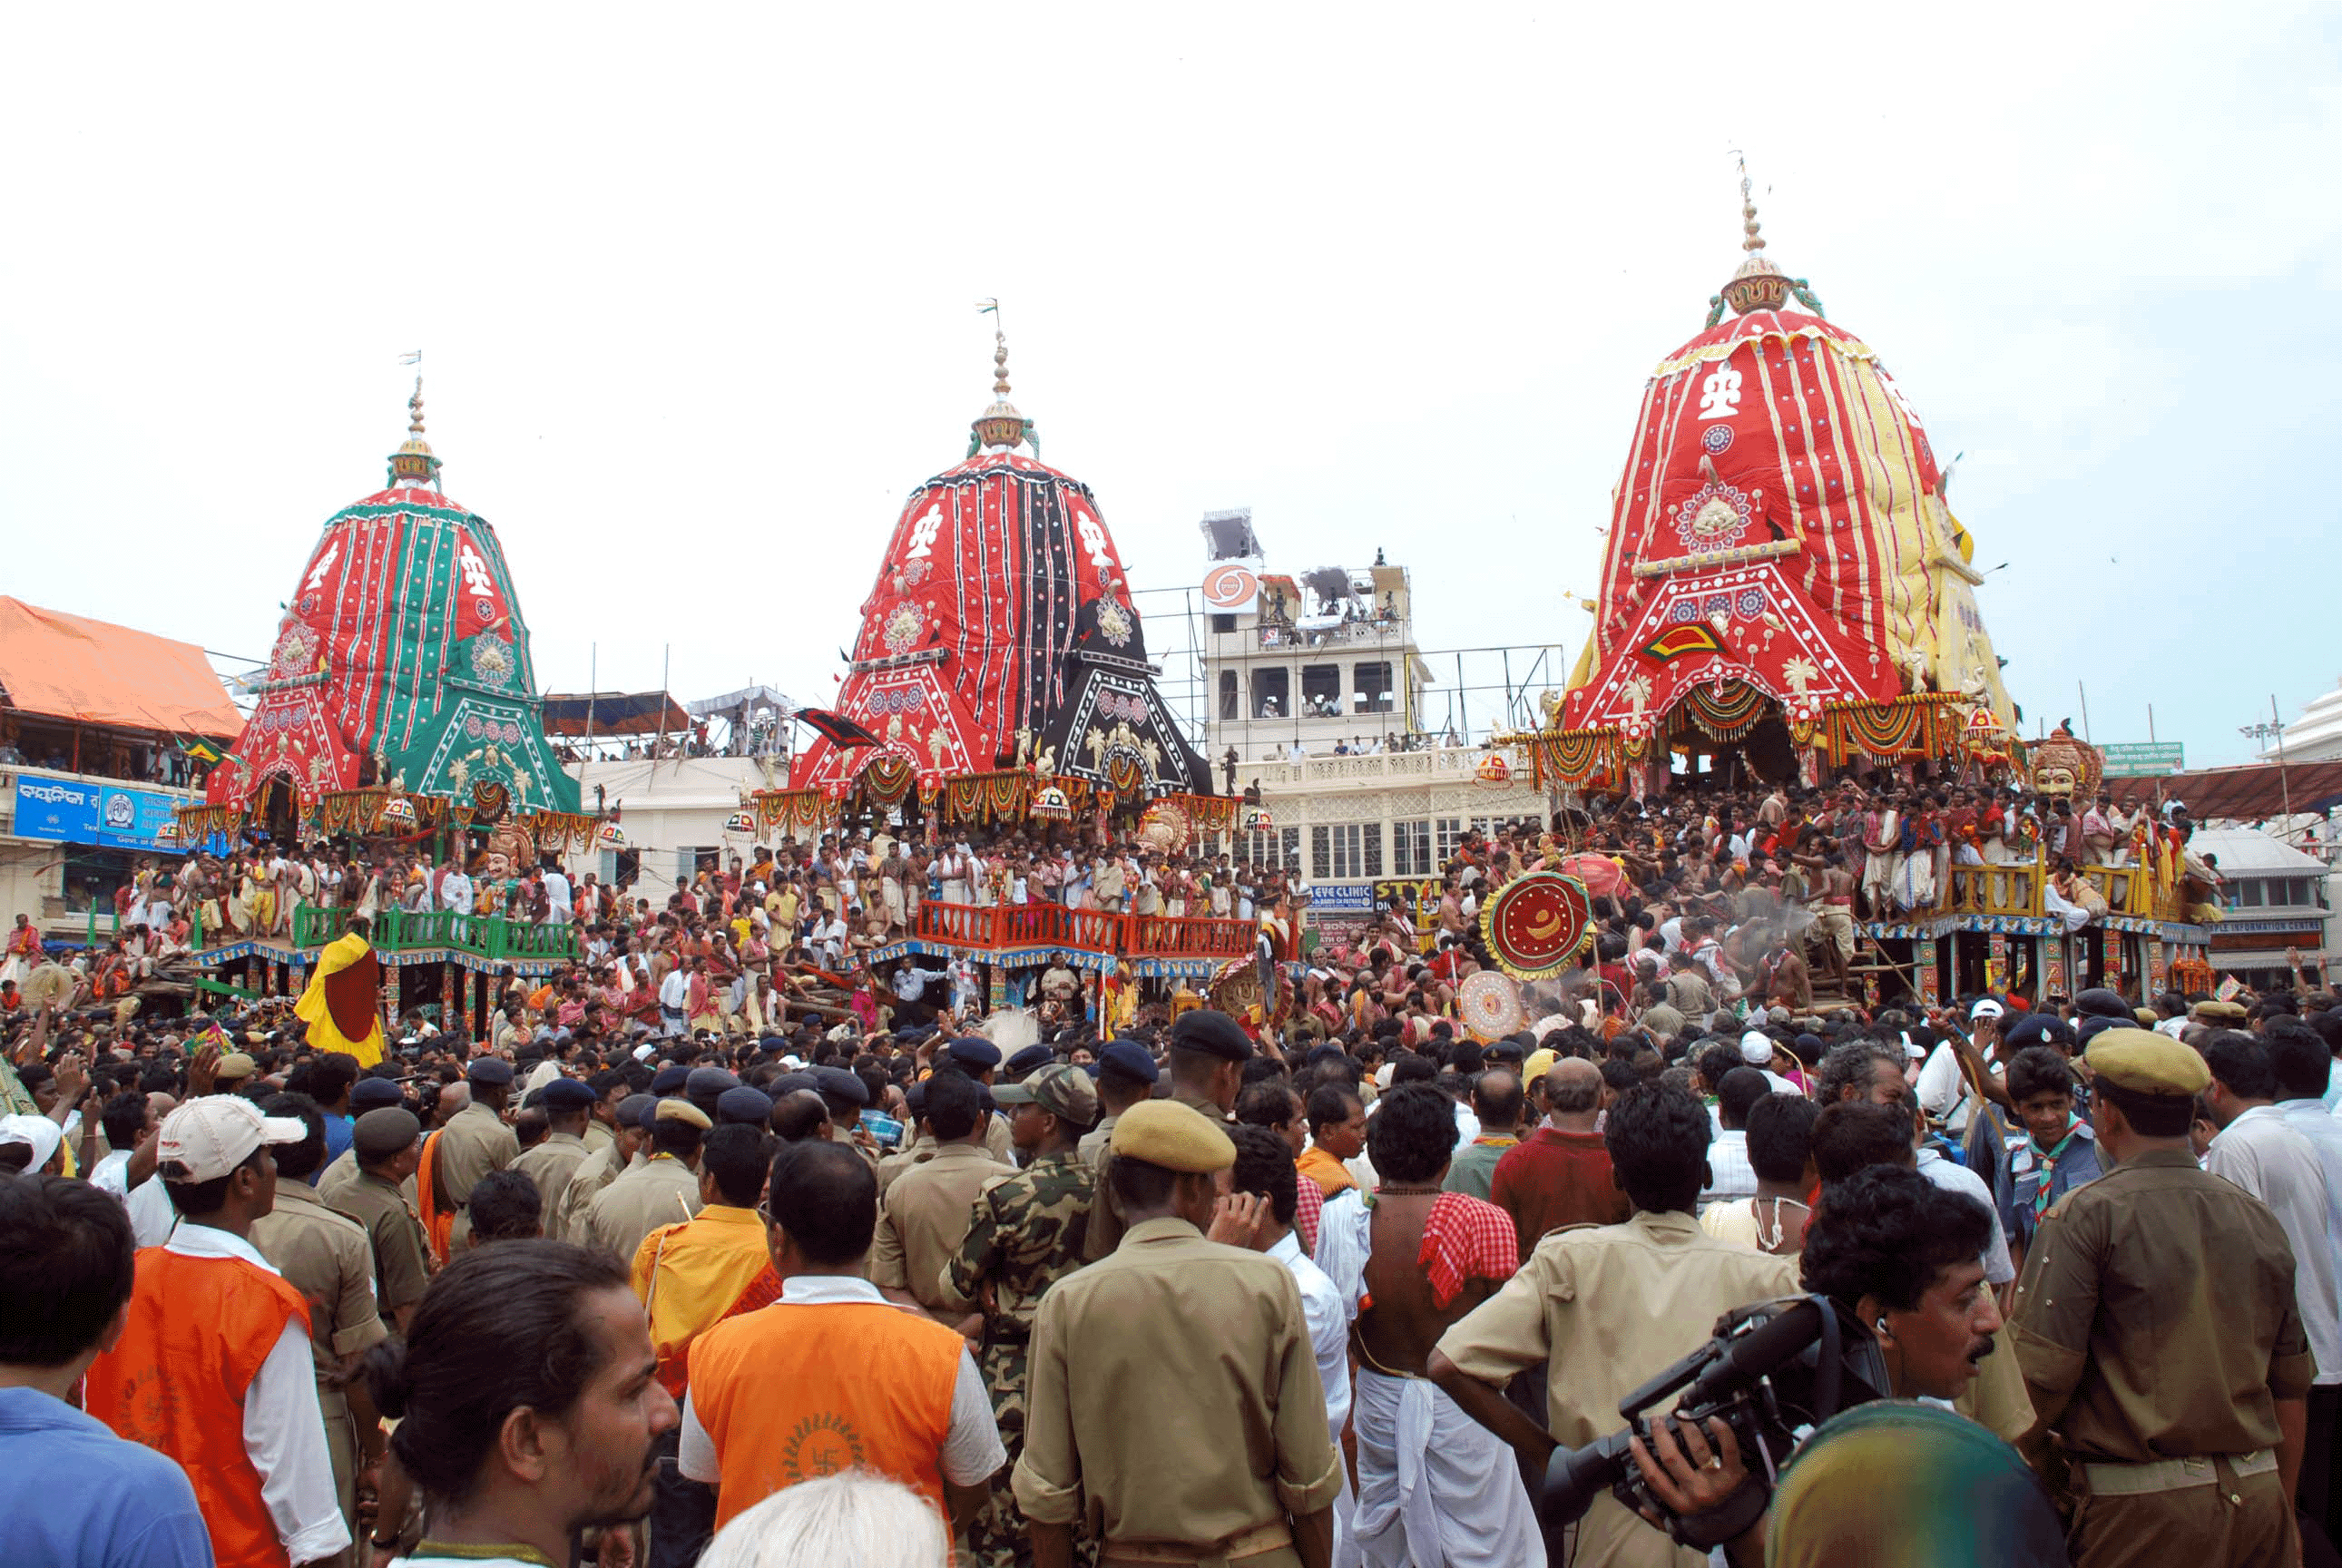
(1434, 764)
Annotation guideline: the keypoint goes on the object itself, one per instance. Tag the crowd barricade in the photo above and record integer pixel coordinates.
(998, 927)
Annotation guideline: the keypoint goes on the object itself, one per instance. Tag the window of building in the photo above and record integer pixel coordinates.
(2248, 895)
(1272, 694)
(1321, 690)
(691, 860)
(1345, 851)
(1222, 622)
(1411, 848)
(1279, 846)
(1373, 682)
(1447, 832)
(1228, 693)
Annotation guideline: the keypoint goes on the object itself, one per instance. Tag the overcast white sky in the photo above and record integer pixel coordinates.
(695, 287)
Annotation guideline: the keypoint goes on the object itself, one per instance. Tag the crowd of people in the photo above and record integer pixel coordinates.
(665, 1266)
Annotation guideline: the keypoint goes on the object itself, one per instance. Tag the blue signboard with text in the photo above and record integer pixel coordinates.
(77, 810)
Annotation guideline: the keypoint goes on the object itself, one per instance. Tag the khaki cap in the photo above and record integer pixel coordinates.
(1167, 1133)
(2147, 1062)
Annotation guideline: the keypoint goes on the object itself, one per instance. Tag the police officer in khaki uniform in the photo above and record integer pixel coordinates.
(1125, 1075)
(610, 1088)
(926, 1210)
(662, 1190)
(2157, 1328)
(568, 1107)
(980, 1059)
(385, 1142)
(917, 1149)
(565, 1211)
(1208, 1051)
(474, 1141)
(367, 1094)
(1209, 1339)
(324, 1256)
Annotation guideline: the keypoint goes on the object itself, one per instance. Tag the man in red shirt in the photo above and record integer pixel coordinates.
(1560, 1175)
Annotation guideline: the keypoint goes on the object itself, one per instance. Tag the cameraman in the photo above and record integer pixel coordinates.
(1903, 1256)
(1604, 1306)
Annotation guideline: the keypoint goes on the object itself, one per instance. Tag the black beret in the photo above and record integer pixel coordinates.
(838, 1083)
(744, 1105)
(566, 1095)
(1213, 1033)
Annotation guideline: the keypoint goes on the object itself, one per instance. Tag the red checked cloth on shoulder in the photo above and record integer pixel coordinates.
(1466, 1238)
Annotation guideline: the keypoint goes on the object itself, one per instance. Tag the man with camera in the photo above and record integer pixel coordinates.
(1898, 1256)
(1606, 1306)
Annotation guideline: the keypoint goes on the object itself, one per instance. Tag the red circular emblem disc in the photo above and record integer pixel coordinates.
(1535, 926)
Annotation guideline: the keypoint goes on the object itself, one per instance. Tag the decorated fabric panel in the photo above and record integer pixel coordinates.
(1117, 732)
(918, 719)
(1749, 627)
(991, 563)
(1000, 608)
(1778, 440)
(490, 752)
(403, 591)
(290, 735)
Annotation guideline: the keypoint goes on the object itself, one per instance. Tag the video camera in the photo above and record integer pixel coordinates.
(1772, 1371)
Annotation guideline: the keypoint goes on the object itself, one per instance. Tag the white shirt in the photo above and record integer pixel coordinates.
(456, 892)
(1329, 1328)
(1997, 1269)
(2262, 1151)
(675, 990)
(557, 894)
(284, 1430)
(1730, 1176)
(149, 1206)
(971, 1449)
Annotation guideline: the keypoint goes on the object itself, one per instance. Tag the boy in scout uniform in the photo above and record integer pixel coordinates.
(324, 1256)
(1176, 1357)
(2156, 1329)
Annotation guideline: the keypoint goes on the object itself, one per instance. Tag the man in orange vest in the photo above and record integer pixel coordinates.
(214, 1365)
(692, 1276)
(833, 1376)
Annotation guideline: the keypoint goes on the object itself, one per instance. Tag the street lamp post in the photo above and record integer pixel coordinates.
(2271, 729)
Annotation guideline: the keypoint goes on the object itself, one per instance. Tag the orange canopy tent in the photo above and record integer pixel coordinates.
(94, 671)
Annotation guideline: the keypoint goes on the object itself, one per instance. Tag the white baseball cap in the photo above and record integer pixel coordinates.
(212, 1135)
(38, 1133)
(1986, 1007)
(1756, 1047)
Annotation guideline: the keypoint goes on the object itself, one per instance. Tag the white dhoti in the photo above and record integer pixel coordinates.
(1434, 1486)
(2061, 908)
(1914, 881)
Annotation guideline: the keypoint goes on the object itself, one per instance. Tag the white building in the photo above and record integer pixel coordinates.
(1320, 660)
(2316, 736)
(2273, 898)
(1317, 695)
(675, 813)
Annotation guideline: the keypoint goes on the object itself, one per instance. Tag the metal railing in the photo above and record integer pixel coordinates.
(996, 927)
(404, 931)
(2016, 888)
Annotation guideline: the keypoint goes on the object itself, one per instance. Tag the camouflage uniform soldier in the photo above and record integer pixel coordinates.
(1028, 1234)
